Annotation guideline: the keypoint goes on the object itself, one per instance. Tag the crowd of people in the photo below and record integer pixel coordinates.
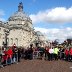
(14, 54)
(55, 53)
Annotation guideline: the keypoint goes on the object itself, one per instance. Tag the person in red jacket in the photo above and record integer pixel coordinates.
(4, 57)
(70, 53)
(47, 54)
(9, 55)
(66, 54)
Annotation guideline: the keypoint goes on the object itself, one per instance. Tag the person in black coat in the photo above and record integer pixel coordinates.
(19, 54)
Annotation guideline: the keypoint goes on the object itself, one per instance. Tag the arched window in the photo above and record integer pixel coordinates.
(11, 41)
(16, 41)
(7, 41)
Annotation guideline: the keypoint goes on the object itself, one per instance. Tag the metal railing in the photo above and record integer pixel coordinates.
(37, 54)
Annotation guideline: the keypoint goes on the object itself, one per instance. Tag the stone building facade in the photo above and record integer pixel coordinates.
(18, 29)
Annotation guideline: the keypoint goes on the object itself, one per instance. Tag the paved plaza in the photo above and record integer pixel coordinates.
(39, 66)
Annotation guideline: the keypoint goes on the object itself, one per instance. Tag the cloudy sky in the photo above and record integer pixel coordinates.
(51, 17)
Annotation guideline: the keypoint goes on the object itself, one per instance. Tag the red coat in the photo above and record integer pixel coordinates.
(66, 52)
(47, 50)
(9, 53)
(70, 52)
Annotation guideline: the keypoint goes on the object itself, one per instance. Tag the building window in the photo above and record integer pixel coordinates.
(8, 41)
(11, 41)
(16, 41)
